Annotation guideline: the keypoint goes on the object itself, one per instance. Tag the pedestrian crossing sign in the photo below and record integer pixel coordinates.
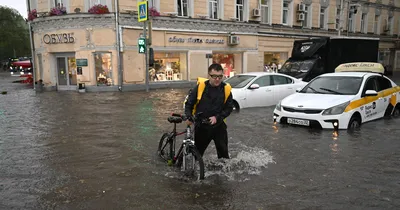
(142, 11)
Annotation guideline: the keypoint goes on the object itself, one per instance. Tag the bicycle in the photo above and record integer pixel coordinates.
(187, 155)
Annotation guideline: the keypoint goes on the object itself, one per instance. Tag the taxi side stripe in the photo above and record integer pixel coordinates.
(362, 101)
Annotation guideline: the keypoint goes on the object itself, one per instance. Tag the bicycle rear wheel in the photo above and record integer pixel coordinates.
(166, 148)
(193, 166)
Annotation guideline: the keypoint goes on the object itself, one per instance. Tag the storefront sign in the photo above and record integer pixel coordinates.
(196, 40)
(58, 38)
(81, 62)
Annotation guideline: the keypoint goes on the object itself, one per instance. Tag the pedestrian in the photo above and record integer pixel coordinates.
(213, 98)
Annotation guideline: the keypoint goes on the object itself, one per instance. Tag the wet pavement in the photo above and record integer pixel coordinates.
(68, 150)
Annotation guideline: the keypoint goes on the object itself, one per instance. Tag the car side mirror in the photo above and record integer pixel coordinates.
(298, 90)
(254, 86)
(371, 93)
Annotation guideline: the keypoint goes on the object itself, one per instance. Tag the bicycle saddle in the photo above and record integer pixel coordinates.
(174, 119)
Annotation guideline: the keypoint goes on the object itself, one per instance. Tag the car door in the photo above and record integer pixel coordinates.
(282, 87)
(373, 105)
(384, 86)
(260, 96)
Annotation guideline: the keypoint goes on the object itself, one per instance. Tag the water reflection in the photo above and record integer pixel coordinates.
(63, 150)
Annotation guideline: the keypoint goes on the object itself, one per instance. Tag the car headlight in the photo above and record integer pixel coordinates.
(339, 109)
(278, 106)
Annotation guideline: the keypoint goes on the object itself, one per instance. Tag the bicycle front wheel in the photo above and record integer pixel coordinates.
(166, 148)
(193, 165)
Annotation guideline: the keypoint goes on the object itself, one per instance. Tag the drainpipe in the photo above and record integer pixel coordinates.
(28, 6)
(117, 33)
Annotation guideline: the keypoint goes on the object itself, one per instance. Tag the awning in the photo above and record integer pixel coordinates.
(307, 48)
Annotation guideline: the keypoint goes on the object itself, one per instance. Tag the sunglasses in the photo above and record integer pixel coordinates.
(216, 76)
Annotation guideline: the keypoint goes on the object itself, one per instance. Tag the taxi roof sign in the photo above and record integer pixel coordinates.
(361, 67)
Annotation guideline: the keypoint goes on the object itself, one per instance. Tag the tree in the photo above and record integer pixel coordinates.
(14, 34)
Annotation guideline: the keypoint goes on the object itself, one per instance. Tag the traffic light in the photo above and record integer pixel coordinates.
(151, 57)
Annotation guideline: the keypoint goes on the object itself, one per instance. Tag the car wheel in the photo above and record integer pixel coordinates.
(354, 123)
(236, 107)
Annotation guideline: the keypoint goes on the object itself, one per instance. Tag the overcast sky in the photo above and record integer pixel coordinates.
(19, 5)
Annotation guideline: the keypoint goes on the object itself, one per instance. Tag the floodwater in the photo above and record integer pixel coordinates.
(68, 150)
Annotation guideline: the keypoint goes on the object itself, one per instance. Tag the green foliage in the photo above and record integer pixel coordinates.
(14, 34)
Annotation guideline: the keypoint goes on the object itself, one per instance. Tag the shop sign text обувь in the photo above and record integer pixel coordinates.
(58, 38)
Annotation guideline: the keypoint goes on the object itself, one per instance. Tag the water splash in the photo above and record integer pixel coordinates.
(247, 161)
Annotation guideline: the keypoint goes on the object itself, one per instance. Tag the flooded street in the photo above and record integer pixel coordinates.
(69, 150)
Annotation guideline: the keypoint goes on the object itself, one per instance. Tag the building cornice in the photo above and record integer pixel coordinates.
(85, 21)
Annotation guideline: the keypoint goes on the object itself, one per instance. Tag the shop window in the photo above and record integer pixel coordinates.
(103, 68)
(230, 62)
(168, 67)
(274, 60)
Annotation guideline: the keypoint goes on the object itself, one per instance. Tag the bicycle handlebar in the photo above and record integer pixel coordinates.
(192, 118)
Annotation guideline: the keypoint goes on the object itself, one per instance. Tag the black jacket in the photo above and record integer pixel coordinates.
(211, 103)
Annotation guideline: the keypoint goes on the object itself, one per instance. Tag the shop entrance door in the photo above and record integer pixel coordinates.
(66, 73)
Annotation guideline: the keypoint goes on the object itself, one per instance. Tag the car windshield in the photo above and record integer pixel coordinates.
(335, 85)
(297, 66)
(239, 81)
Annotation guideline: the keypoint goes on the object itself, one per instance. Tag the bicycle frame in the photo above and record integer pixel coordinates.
(187, 143)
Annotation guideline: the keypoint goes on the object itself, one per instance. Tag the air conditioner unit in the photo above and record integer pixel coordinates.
(301, 7)
(301, 17)
(256, 12)
(233, 40)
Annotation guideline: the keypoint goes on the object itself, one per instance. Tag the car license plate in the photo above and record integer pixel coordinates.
(298, 122)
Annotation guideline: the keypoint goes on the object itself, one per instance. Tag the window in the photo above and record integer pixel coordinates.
(33, 4)
(363, 23)
(154, 3)
(263, 81)
(307, 17)
(103, 68)
(376, 24)
(336, 85)
(91, 3)
(350, 23)
(322, 19)
(168, 67)
(213, 7)
(59, 3)
(239, 10)
(239, 81)
(371, 84)
(337, 23)
(265, 11)
(384, 83)
(230, 62)
(183, 8)
(285, 13)
(281, 80)
(389, 25)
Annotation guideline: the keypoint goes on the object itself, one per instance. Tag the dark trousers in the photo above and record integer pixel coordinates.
(205, 133)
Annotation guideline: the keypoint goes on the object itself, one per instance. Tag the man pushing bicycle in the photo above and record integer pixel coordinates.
(213, 98)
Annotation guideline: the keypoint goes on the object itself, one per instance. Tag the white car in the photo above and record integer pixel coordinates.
(259, 89)
(356, 93)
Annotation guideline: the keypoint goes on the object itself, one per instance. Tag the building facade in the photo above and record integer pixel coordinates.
(73, 46)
